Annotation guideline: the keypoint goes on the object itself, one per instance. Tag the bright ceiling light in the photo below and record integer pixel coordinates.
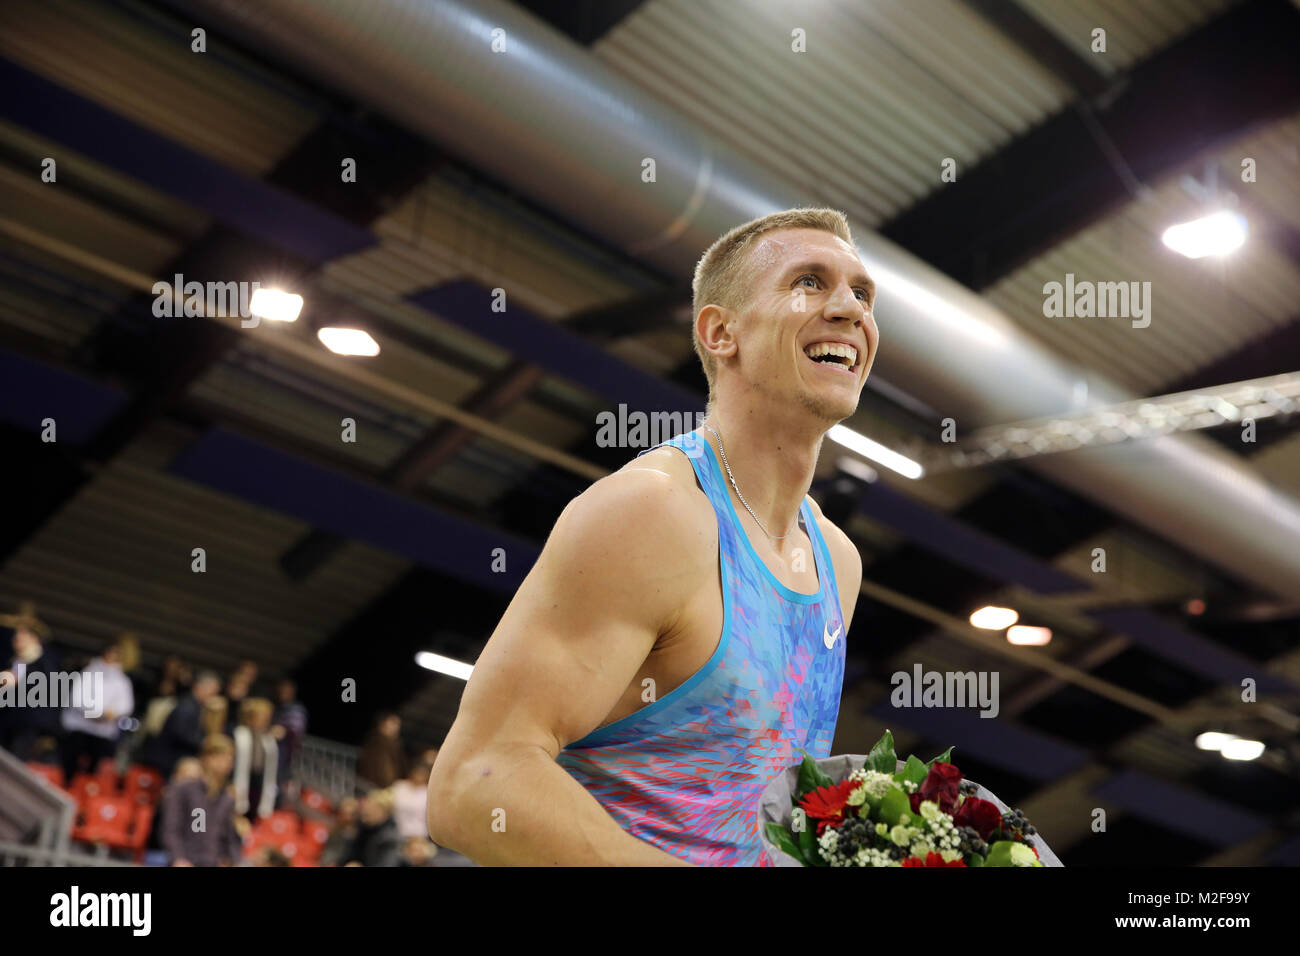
(1242, 749)
(444, 665)
(348, 341)
(877, 452)
(274, 305)
(858, 469)
(1213, 235)
(994, 618)
(1213, 740)
(1029, 636)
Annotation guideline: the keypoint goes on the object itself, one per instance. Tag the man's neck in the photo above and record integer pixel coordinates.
(773, 458)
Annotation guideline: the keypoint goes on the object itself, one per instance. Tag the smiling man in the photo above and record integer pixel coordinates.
(681, 638)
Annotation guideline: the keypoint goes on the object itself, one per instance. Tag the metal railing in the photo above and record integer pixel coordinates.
(326, 766)
(31, 803)
(23, 854)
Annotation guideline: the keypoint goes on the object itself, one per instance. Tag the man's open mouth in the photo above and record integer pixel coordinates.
(834, 355)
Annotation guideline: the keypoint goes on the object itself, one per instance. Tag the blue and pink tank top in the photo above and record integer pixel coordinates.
(685, 772)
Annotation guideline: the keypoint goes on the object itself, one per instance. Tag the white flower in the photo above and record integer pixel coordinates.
(877, 784)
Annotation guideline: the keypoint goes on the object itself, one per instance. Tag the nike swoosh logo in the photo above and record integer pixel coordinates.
(827, 637)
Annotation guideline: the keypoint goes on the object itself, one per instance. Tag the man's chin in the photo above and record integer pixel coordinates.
(829, 410)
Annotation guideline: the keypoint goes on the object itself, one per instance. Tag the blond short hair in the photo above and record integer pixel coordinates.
(721, 276)
(254, 707)
(216, 744)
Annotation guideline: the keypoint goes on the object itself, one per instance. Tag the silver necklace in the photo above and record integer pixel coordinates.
(722, 451)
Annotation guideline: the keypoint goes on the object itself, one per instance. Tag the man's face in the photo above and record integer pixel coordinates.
(809, 291)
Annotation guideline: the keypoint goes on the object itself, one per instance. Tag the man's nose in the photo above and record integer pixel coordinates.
(843, 304)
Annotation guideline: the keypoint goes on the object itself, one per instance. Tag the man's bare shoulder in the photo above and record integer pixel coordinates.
(653, 496)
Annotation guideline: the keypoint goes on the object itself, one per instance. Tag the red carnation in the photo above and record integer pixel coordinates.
(941, 785)
(827, 803)
(931, 859)
(981, 815)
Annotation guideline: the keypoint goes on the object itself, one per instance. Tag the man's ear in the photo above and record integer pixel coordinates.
(716, 329)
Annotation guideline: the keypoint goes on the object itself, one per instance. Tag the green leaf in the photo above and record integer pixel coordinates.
(811, 777)
(945, 757)
(808, 845)
(782, 837)
(882, 757)
(914, 771)
(895, 808)
(999, 854)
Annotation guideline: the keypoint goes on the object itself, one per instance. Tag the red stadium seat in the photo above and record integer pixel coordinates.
(106, 820)
(283, 824)
(142, 784)
(50, 772)
(315, 800)
(86, 787)
(316, 833)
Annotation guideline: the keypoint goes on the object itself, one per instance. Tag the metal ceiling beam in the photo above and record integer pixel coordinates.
(1052, 53)
(1232, 73)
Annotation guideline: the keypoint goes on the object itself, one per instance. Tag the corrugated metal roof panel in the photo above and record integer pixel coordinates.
(123, 58)
(62, 215)
(1200, 309)
(1134, 31)
(118, 556)
(865, 116)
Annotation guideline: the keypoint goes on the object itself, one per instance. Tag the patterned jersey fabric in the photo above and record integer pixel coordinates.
(685, 772)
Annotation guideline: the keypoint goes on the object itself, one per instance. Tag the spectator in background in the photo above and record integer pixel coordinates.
(22, 727)
(217, 843)
(289, 725)
(418, 851)
(377, 842)
(187, 768)
(256, 756)
(215, 711)
(182, 734)
(174, 682)
(382, 759)
(337, 848)
(96, 737)
(410, 799)
(237, 691)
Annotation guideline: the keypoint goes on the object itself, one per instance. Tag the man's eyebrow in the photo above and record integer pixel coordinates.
(816, 265)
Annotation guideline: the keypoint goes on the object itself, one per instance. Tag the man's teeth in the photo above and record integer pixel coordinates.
(821, 349)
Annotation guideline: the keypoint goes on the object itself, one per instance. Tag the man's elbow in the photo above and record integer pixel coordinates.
(443, 814)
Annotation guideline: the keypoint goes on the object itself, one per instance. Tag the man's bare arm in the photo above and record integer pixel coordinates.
(613, 576)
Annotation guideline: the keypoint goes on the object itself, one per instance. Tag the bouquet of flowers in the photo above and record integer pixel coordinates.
(886, 812)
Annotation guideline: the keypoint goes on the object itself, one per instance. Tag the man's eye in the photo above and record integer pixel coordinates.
(862, 294)
(810, 278)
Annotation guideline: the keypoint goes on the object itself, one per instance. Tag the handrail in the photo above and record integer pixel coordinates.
(12, 852)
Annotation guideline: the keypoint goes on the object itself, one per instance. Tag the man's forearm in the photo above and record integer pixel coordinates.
(523, 809)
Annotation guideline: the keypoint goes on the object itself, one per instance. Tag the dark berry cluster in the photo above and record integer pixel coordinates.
(1015, 823)
(856, 834)
(971, 842)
